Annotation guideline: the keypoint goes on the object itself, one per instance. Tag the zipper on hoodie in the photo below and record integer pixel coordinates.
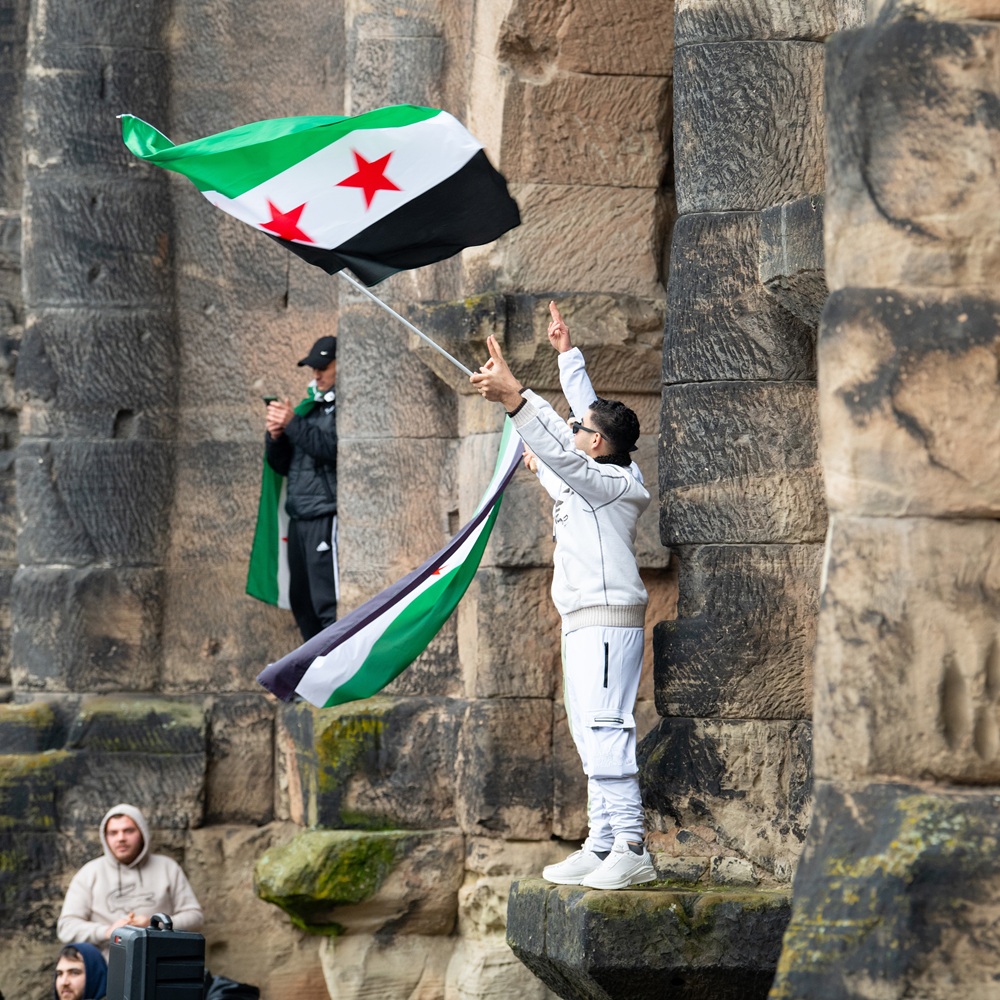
(605, 665)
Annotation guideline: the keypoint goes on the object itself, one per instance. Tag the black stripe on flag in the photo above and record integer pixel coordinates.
(467, 209)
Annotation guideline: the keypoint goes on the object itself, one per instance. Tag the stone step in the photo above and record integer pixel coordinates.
(656, 941)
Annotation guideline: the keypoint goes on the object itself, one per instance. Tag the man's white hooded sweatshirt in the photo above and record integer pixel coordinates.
(104, 890)
(595, 579)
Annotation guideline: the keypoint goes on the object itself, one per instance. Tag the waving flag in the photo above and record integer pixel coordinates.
(357, 656)
(381, 192)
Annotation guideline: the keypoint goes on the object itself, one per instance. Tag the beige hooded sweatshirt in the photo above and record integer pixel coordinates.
(104, 890)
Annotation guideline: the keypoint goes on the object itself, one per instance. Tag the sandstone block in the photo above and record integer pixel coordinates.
(753, 20)
(487, 969)
(916, 211)
(383, 762)
(400, 60)
(908, 404)
(533, 35)
(510, 635)
(557, 250)
(732, 871)
(490, 857)
(504, 768)
(739, 463)
(329, 881)
(125, 226)
(149, 752)
(240, 745)
(85, 629)
(83, 87)
(575, 129)
(98, 374)
(898, 886)
(722, 323)
(742, 646)
(569, 783)
(670, 869)
(907, 655)
(791, 257)
(219, 862)
(100, 501)
(749, 127)
(28, 728)
(706, 945)
(942, 10)
(402, 967)
(749, 782)
(99, 24)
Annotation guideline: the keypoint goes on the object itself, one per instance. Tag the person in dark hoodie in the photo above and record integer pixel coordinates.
(81, 973)
(126, 886)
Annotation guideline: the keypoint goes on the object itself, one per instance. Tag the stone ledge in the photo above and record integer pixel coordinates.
(720, 944)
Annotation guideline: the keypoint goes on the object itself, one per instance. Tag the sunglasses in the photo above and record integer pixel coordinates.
(577, 425)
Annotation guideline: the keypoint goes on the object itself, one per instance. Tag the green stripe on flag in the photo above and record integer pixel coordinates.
(221, 162)
(415, 626)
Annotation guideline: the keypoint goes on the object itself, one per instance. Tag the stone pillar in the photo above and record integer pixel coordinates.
(740, 485)
(13, 40)
(96, 374)
(900, 881)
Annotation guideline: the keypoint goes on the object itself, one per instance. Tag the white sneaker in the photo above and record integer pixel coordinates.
(621, 868)
(574, 869)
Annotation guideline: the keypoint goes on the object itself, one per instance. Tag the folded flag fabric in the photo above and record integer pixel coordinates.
(357, 656)
(267, 572)
(381, 192)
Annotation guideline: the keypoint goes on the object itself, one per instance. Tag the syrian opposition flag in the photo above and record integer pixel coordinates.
(381, 192)
(357, 656)
(267, 572)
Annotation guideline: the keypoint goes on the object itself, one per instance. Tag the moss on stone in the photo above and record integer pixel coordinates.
(119, 725)
(320, 870)
(28, 785)
(343, 738)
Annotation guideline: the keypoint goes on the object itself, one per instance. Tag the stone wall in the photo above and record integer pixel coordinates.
(149, 326)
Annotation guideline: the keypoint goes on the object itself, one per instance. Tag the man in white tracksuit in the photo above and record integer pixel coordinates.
(587, 469)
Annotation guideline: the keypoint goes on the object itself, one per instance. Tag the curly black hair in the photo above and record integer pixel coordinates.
(618, 424)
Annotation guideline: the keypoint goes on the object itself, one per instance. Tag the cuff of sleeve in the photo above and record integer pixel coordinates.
(526, 410)
(517, 409)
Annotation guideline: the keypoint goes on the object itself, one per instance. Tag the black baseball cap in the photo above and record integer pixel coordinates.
(323, 352)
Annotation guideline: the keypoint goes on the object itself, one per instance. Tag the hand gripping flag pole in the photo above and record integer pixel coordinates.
(392, 312)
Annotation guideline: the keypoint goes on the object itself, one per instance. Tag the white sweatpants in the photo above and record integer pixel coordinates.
(601, 670)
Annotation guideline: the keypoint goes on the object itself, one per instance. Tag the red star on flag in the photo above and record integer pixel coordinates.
(285, 224)
(370, 177)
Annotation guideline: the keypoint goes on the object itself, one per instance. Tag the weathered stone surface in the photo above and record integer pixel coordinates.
(509, 634)
(753, 20)
(93, 501)
(376, 764)
(93, 375)
(29, 728)
(749, 129)
(490, 857)
(504, 768)
(750, 782)
(569, 784)
(572, 129)
(896, 894)
(219, 862)
(742, 645)
(532, 35)
(917, 209)
(240, 746)
(557, 250)
(791, 257)
(150, 752)
(909, 404)
(732, 871)
(393, 60)
(908, 660)
(739, 463)
(944, 10)
(86, 629)
(329, 881)
(487, 969)
(401, 967)
(588, 945)
(722, 323)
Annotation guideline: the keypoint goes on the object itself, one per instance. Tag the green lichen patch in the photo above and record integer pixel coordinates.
(320, 870)
(28, 728)
(342, 738)
(139, 725)
(29, 784)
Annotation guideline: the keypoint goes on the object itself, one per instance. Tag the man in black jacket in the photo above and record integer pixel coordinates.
(303, 447)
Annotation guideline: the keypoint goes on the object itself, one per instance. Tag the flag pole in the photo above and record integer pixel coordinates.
(357, 284)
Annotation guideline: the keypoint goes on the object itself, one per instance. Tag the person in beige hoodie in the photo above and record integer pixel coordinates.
(126, 886)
